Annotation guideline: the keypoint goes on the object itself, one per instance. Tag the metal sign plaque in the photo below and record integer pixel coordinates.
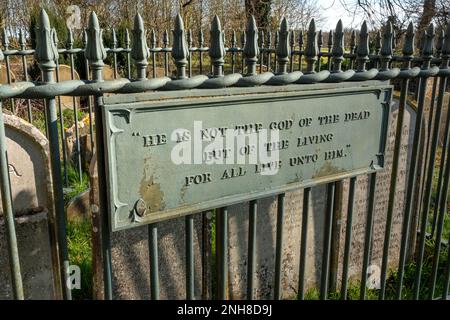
(175, 153)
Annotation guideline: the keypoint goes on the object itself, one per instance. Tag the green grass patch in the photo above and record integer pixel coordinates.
(80, 253)
(353, 291)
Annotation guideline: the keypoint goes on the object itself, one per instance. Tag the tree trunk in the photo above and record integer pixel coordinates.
(260, 9)
(429, 11)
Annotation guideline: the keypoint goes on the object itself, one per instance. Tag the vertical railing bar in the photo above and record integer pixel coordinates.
(251, 256)
(75, 114)
(243, 42)
(368, 236)
(128, 53)
(46, 55)
(429, 185)
(189, 257)
(89, 98)
(427, 46)
(440, 203)
(407, 51)
(95, 53)
(62, 131)
(8, 77)
(327, 241)
(8, 211)
(445, 293)
(410, 188)
(393, 186)
(206, 253)
(348, 238)
(303, 243)
(154, 265)
(222, 253)
(25, 71)
(279, 246)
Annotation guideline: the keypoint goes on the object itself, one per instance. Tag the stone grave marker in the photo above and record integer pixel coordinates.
(266, 229)
(130, 256)
(64, 75)
(32, 195)
(381, 206)
(4, 77)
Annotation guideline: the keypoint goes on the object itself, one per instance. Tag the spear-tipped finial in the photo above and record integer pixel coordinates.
(440, 42)
(55, 40)
(5, 39)
(22, 41)
(233, 40)
(312, 47)
(165, 39)
(330, 39)
(378, 42)
(261, 39)
(46, 52)
(201, 38)
(127, 38)
(243, 39)
(300, 39)
(70, 40)
(251, 50)
(95, 51)
(283, 50)
(338, 47)
(428, 43)
(114, 39)
(363, 47)
(386, 47)
(353, 41)
(217, 47)
(320, 39)
(292, 39)
(84, 37)
(139, 49)
(408, 46)
(446, 45)
(189, 38)
(180, 50)
(153, 39)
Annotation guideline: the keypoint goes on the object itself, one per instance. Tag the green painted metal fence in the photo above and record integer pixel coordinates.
(259, 63)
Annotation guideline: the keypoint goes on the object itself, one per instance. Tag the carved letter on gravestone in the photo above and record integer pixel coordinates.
(32, 195)
(266, 228)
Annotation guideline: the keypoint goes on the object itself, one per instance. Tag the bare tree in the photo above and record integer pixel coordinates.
(298, 12)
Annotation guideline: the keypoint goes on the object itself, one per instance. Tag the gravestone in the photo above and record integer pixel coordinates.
(64, 75)
(382, 193)
(33, 204)
(4, 75)
(108, 72)
(266, 228)
(130, 256)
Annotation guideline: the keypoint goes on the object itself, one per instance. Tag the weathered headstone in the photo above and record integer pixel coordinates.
(33, 204)
(78, 207)
(266, 228)
(84, 134)
(64, 75)
(4, 75)
(130, 256)
(381, 207)
(108, 72)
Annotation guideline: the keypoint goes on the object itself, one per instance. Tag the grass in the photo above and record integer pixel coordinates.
(75, 185)
(80, 254)
(353, 291)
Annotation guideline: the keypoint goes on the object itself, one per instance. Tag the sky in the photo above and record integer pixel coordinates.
(333, 10)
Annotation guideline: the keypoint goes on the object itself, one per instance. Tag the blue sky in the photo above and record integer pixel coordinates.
(333, 10)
